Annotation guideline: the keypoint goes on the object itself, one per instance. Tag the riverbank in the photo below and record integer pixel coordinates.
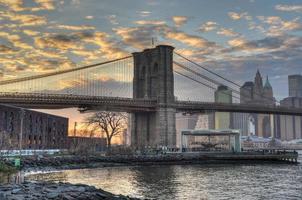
(7, 168)
(56, 191)
(94, 161)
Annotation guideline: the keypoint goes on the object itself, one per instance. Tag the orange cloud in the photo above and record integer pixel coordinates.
(208, 26)
(227, 32)
(238, 16)
(179, 20)
(191, 40)
(150, 22)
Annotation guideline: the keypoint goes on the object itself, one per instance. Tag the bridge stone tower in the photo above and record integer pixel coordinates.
(153, 79)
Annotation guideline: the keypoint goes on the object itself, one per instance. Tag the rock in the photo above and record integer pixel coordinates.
(3, 196)
(54, 191)
(16, 191)
(52, 195)
(81, 189)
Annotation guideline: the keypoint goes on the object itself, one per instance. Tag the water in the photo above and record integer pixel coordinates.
(249, 182)
(213, 182)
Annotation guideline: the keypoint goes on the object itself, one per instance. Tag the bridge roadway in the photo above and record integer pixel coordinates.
(86, 103)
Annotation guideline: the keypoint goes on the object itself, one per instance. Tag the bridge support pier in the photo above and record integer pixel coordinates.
(153, 79)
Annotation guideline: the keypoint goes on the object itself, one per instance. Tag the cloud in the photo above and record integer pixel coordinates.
(25, 19)
(6, 50)
(238, 16)
(144, 13)
(74, 28)
(44, 5)
(150, 22)
(190, 40)
(289, 8)
(208, 26)
(283, 47)
(18, 5)
(62, 41)
(112, 19)
(76, 42)
(179, 20)
(227, 32)
(277, 26)
(42, 65)
(14, 5)
(138, 37)
(89, 17)
(31, 32)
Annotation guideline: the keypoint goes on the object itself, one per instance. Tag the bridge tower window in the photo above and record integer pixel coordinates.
(35, 140)
(11, 122)
(30, 124)
(29, 140)
(5, 121)
(143, 72)
(155, 69)
(41, 126)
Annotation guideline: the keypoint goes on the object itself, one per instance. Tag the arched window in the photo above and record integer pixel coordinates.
(143, 72)
(40, 131)
(11, 122)
(30, 124)
(5, 122)
(155, 68)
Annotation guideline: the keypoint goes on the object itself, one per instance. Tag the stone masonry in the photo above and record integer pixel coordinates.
(153, 79)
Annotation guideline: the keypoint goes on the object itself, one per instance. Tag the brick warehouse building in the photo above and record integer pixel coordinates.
(40, 130)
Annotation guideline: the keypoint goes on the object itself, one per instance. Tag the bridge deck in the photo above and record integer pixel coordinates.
(54, 101)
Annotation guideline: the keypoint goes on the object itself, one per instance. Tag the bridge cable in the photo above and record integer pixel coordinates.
(203, 76)
(209, 86)
(216, 74)
(60, 72)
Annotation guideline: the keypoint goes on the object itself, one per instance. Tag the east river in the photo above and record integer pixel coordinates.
(249, 182)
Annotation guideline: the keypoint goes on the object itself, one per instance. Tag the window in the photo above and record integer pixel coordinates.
(5, 122)
(11, 122)
(35, 139)
(155, 69)
(30, 124)
(143, 72)
(29, 140)
(40, 125)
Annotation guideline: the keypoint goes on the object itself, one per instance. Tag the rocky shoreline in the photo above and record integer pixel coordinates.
(55, 191)
(76, 162)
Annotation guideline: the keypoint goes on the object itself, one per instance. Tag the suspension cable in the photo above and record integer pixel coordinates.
(216, 74)
(60, 72)
(209, 86)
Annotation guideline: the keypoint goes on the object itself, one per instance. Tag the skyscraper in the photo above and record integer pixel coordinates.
(290, 127)
(295, 85)
(223, 119)
(255, 93)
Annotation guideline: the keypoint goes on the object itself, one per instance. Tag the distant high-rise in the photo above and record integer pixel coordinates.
(255, 93)
(290, 127)
(295, 85)
(223, 120)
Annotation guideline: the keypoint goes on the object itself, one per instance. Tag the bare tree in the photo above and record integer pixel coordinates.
(111, 123)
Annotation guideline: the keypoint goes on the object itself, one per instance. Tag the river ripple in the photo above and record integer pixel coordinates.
(249, 182)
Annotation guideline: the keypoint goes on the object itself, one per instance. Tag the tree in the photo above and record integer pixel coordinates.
(110, 123)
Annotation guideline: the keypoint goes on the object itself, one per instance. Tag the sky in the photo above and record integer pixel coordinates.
(231, 37)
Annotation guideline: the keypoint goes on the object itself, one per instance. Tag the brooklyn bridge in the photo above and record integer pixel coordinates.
(152, 85)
